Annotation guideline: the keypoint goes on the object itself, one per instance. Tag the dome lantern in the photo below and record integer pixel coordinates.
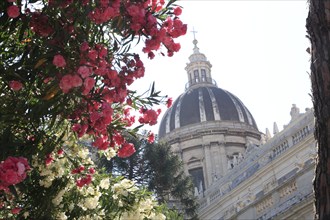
(198, 69)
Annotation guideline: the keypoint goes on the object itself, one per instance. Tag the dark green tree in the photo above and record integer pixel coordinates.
(168, 178)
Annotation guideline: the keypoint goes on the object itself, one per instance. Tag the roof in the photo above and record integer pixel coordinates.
(203, 104)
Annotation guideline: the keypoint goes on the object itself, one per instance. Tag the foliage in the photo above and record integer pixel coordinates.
(154, 165)
(66, 69)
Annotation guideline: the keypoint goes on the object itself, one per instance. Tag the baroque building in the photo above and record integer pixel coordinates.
(239, 172)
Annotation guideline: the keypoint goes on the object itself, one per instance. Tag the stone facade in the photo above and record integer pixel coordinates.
(238, 172)
(273, 181)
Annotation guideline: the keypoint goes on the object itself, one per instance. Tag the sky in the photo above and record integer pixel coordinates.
(257, 50)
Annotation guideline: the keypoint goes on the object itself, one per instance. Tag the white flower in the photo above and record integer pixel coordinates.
(71, 206)
(91, 202)
(146, 205)
(110, 153)
(158, 216)
(59, 197)
(82, 206)
(90, 191)
(62, 216)
(131, 216)
(26, 214)
(83, 153)
(123, 187)
(105, 183)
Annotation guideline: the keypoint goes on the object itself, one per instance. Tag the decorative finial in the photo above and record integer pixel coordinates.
(275, 128)
(196, 49)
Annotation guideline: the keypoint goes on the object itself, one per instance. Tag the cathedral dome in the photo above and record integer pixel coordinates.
(205, 103)
(208, 127)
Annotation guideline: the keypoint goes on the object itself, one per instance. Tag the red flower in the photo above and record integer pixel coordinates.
(84, 181)
(149, 116)
(84, 46)
(177, 11)
(66, 83)
(13, 11)
(15, 85)
(151, 137)
(92, 55)
(60, 151)
(76, 81)
(59, 61)
(101, 143)
(129, 101)
(13, 171)
(169, 102)
(84, 71)
(15, 211)
(40, 25)
(151, 55)
(88, 85)
(49, 159)
(126, 150)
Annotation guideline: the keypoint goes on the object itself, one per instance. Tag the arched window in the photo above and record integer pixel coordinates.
(203, 74)
(196, 75)
(198, 178)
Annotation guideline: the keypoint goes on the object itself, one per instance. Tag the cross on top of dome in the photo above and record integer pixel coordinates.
(196, 49)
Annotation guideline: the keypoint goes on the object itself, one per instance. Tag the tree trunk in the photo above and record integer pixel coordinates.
(318, 27)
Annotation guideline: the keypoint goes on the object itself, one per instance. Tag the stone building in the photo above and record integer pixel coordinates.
(239, 172)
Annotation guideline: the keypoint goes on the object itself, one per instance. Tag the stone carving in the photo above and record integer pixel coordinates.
(271, 184)
(264, 204)
(294, 112)
(288, 189)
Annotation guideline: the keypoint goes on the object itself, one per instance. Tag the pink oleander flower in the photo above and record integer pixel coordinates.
(40, 25)
(76, 81)
(149, 116)
(15, 85)
(16, 210)
(59, 61)
(92, 55)
(13, 11)
(80, 129)
(60, 151)
(84, 181)
(151, 137)
(13, 171)
(84, 71)
(66, 83)
(49, 159)
(177, 11)
(101, 143)
(151, 55)
(88, 85)
(84, 46)
(169, 102)
(126, 150)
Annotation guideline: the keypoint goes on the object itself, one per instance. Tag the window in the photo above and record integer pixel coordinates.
(196, 75)
(198, 178)
(203, 75)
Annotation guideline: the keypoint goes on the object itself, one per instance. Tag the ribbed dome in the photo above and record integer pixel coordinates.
(205, 103)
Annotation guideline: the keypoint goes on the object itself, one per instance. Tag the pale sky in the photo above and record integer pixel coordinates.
(257, 50)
